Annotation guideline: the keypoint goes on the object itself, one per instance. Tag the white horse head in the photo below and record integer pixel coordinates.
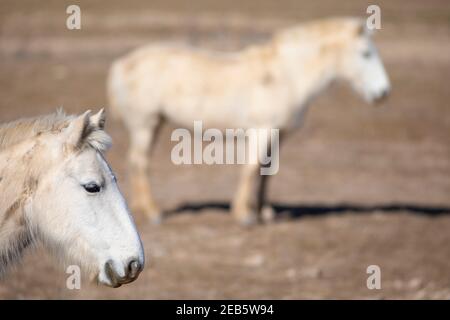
(74, 205)
(361, 65)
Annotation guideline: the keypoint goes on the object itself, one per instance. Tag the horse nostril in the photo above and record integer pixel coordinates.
(134, 267)
(383, 95)
(109, 270)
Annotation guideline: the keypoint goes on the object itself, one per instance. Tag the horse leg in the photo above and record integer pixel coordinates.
(249, 204)
(141, 138)
(264, 208)
(245, 203)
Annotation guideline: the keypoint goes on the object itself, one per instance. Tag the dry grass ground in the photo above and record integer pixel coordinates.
(357, 185)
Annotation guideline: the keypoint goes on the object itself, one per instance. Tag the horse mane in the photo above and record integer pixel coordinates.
(14, 132)
(325, 29)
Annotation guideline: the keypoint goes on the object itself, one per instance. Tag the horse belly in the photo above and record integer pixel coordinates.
(226, 111)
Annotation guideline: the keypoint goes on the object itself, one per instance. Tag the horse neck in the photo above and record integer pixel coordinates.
(310, 71)
(20, 168)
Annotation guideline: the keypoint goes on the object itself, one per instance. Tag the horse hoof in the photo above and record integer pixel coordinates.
(248, 221)
(156, 220)
(268, 214)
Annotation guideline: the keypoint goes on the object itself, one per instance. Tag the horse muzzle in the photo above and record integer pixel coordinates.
(381, 97)
(115, 278)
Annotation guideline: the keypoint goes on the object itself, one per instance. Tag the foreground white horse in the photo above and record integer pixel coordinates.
(264, 86)
(57, 188)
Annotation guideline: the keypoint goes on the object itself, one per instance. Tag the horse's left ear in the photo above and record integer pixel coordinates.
(78, 130)
(363, 29)
(98, 119)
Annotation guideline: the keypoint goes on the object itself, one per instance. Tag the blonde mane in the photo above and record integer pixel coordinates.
(17, 131)
(323, 29)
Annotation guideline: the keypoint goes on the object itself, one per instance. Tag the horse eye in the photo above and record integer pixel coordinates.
(92, 187)
(367, 54)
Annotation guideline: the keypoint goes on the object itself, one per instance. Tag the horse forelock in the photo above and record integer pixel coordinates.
(97, 139)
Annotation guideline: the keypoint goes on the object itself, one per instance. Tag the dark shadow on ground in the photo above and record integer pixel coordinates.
(297, 211)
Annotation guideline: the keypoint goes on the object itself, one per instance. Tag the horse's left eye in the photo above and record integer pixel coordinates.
(367, 54)
(92, 187)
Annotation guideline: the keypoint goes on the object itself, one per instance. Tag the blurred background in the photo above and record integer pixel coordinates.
(357, 185)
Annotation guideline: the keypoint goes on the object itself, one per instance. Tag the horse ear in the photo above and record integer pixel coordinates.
(78, 130)
(98, 119)
(362, 29)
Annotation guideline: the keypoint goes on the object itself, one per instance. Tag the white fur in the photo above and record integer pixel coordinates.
(44, 163)
(264, 86)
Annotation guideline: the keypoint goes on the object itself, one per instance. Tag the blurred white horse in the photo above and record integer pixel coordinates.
(57, 188)
(263, 86)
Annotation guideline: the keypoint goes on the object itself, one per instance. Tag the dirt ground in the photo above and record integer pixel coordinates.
(357, 185)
